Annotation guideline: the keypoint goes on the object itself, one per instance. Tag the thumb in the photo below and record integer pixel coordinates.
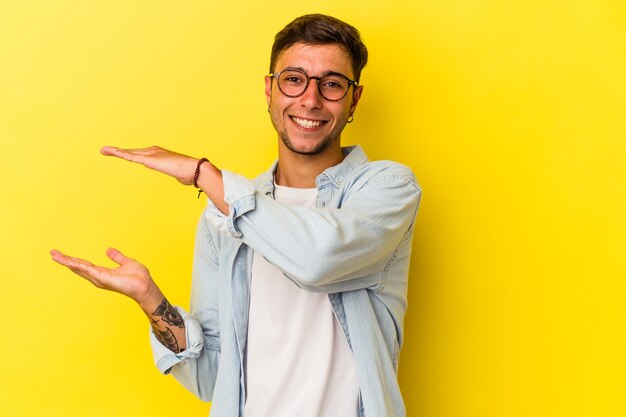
(117, 256)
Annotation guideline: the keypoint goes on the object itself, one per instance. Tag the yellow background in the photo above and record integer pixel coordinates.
(512, 115)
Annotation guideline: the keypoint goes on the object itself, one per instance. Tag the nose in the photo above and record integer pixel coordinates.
(311, 98)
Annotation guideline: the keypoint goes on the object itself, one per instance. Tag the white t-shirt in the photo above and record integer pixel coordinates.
(298, 361)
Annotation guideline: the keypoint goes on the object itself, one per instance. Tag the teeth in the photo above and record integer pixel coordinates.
(308, 124)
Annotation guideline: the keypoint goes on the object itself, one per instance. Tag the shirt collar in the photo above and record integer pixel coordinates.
(354, 158)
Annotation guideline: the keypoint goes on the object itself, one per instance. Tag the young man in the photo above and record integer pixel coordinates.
(300, 276)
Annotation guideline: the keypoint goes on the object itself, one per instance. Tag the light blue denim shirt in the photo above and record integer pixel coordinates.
(354, 245)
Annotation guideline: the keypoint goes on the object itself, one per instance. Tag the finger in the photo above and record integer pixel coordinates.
(116, 256)
(128, 155)
(99, 276)
(109, 150)
(151, 150)
(84, 273)
(73, 265)
(115, 151)
(68, 261)
(82, 268)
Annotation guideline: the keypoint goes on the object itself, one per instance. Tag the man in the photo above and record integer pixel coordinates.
(299, 279)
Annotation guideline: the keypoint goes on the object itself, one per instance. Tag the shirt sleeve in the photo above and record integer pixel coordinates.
(196, 367)
(327, 249)
(164, 358)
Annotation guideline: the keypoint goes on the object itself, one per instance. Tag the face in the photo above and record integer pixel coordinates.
(310, 124)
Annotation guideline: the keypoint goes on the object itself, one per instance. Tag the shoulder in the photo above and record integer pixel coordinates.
(384, 171)
(357, 169)
(388, 169)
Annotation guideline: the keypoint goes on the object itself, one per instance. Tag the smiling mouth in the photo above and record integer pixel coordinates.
(307, 124)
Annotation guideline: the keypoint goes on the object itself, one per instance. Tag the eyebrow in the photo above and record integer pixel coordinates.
(323, 75)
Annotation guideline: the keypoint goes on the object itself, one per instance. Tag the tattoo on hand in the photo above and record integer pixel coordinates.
(169, 314)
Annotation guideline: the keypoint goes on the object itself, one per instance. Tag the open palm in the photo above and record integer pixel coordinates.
(130, 278)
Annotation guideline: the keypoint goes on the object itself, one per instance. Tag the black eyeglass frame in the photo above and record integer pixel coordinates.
(309, 78)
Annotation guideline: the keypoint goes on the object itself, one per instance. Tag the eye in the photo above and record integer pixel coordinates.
(292, 78)
(333, 83)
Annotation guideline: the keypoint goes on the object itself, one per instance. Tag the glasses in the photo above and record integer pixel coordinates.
(293, 82)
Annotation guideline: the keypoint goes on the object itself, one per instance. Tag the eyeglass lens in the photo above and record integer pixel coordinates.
(293, 83)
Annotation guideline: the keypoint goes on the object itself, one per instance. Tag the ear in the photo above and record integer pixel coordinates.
(358, 90)
(268, 89)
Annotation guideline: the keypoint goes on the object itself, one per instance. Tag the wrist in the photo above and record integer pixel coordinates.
(151, 298)
(196, 174)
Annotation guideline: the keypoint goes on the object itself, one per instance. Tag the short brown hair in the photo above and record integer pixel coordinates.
(319, 29)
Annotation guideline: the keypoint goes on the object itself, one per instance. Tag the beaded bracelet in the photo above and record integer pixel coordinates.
(197, 174)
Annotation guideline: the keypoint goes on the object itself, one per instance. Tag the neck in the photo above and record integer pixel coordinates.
(301, 171)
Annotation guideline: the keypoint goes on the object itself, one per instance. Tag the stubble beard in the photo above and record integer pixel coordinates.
(317, 149)
(321, 146)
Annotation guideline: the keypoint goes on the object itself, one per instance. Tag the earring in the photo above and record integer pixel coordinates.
(350, 119)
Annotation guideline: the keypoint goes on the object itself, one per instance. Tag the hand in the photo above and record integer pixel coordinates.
(130, 278)
(179, 166)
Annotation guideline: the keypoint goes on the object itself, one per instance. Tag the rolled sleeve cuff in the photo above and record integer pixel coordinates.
(239, 195)
(164, 358)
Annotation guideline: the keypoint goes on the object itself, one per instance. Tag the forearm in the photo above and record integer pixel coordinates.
(167, 324)
(322, 246)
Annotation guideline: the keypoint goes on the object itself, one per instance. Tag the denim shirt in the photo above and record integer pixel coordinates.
(354, 245)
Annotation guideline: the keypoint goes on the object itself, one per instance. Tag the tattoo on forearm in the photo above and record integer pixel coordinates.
(170, 316)
(168, 339)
